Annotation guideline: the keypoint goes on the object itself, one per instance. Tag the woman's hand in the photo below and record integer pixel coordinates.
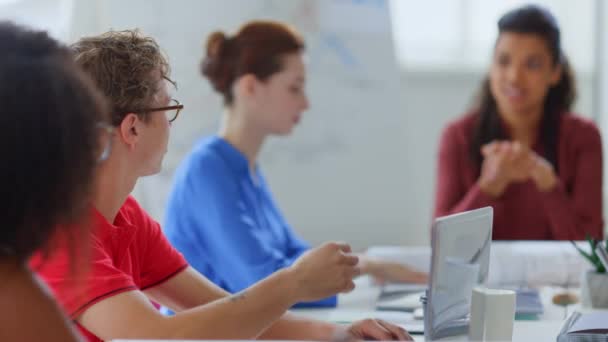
(388, 271)
(504, 163)
(543, 174)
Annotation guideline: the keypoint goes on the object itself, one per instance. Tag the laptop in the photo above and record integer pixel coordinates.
(460, 260)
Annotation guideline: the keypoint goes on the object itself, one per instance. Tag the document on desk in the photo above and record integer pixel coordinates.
(585, 327)
(349, 316)
(511, 262)
(591, 322)
(403, 288)
(408, 303)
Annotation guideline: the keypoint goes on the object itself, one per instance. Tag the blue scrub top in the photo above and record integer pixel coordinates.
(224, 220)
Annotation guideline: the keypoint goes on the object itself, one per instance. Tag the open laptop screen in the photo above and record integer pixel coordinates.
(460, 261)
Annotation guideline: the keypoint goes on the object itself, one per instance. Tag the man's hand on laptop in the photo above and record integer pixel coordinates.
(373, 329)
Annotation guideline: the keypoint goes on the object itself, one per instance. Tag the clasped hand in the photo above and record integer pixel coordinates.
(507, 162)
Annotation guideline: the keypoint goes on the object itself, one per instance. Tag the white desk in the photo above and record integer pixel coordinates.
(360, 304)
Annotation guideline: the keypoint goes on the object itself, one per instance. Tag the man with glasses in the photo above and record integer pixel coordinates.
(131, 261)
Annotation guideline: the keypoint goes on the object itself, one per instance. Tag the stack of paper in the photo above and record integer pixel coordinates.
(518, 263)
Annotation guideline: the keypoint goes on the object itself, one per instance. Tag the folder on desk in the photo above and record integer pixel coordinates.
(405, 302)
(528, 302)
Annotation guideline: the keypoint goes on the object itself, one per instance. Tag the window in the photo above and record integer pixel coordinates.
(52, 15)
(456, 35)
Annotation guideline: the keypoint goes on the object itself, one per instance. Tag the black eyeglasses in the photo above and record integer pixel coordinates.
(171, 112)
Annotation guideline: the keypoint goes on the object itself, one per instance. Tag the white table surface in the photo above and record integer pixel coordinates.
(360, 304)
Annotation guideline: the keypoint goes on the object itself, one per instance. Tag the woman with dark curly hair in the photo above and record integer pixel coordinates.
(521, 150)
(51, 117)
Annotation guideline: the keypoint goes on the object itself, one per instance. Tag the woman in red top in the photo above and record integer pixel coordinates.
(521, 151)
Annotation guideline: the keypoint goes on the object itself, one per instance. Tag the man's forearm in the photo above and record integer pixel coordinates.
(241, 316)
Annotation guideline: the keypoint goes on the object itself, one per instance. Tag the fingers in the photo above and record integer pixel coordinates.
(529, 163)
(342, 335)
(378, 281)
(489, 149)
(344, 247)
(375, 329)
(349, 259)
(355, 272)
(345, 255)
(348, 263)
(543, 163)
(350, 285)
(349, 275)
(398, 332)
(512, 149)
(538, 166)
(420, 278)
(511, 160)
(519, 152)
(371, 329)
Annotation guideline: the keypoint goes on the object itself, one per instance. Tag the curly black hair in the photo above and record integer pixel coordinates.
(49, 116)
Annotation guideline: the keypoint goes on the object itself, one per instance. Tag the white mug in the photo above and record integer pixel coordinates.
(492, 314)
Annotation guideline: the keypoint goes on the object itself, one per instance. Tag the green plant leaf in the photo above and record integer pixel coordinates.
(599, 266)
(591, 257)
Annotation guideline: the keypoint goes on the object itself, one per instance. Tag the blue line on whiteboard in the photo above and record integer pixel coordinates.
(370, 3)
(341, 50)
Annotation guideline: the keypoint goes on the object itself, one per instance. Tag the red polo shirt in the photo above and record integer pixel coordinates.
(572, 210)
(129, 254)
